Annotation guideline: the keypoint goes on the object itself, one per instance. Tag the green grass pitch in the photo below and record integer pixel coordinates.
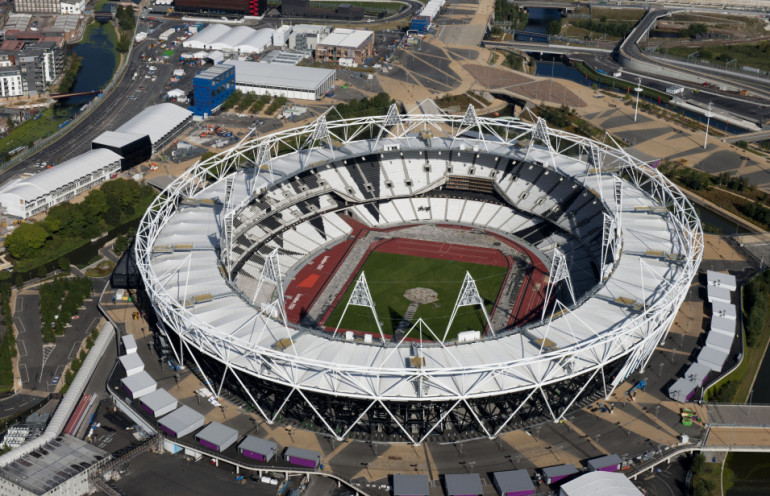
(390, 275)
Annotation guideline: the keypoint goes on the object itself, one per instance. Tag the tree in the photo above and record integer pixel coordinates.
(41, 272)
(698, 463)
(554, 27)
(26, 240)
(64, 264)
(18, 279)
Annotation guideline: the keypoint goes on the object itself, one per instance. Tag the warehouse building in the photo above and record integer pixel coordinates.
(134, 148)
(211, 88)
(303, 83)
(160, 122)
(240, 39)
(29, 196)
(345, 44)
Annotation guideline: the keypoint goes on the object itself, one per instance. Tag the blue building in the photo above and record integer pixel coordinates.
(211, 88)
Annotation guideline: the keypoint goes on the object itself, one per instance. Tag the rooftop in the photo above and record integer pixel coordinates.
(351, 38)
(52, 179)
(181, 418)
(279, 75)
(217, 433)
(156, 121)
(52, 464)
(600, 484)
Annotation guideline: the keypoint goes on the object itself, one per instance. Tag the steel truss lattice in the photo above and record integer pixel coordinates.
(456, 391)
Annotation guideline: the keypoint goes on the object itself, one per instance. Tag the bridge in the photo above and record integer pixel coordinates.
(749, 137)
(528, 47)
(544, 4)
(58, 96)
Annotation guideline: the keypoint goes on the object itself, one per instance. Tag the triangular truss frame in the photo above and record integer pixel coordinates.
(559, 272)
(393, 120)
(271, 272)
(467, 297)
(361, 297)
(540, 133)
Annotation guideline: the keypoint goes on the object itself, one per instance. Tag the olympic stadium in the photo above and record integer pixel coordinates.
(409, 276)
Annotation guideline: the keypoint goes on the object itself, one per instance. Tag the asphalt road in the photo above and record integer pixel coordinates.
(114, 109)
(33, 373)
(16, 403)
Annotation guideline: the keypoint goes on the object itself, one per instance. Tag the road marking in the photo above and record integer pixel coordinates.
(20, 303)
(20, 325)
(22, 348)
(74, 350)
(23, 373)
(57, 373)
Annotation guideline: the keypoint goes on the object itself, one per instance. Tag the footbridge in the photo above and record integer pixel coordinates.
(739, 428)
(528, 47)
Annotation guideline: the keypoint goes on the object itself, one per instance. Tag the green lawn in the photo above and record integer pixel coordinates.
(756, 55)
(390, 275)
(27, 133)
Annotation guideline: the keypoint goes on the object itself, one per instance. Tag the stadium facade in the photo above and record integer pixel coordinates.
(217, 248)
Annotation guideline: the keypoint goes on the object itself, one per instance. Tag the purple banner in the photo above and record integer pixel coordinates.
(147, 408)
(208, 445)
(167, 430)
(253, 455)
(611, 468)
(302, 462)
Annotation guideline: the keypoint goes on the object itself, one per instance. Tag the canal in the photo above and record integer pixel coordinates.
(98, 64)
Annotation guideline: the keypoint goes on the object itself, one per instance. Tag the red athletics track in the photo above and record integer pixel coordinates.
(443, 251)
(311, 280)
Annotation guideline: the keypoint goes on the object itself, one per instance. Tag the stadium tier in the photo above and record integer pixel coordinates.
(219, 248)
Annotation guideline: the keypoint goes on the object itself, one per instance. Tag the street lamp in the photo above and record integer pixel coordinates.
(709, 115)
(638, 90)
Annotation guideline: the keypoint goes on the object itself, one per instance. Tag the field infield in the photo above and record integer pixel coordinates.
(399, 265)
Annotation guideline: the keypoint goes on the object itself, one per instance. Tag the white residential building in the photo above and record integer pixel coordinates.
(10, 82)
(73, 6)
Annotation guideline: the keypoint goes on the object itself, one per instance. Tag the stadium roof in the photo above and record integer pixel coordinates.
(600, 484)
(350, 38)
(231, 316)
(52, 464)
(156, 121)
(116, 139)
(279, 75)
(51, 179)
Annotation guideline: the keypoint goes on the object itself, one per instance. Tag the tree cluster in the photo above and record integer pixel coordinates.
(756, 211)
(125, 17)
(508, 12)
(77, 362)
(59, 302)
(734, 183)
(755, 303)
(560, 117)
(278, 102)
(553, 27)
(71, 75)
(694, 30)
(618, 29)
(8, 342)
(376, 105)
(232, 100)
(114, 203)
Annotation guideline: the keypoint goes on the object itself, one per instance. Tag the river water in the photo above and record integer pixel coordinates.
(98, 65)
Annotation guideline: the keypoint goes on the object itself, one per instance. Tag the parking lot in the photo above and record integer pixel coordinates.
(41, 366)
